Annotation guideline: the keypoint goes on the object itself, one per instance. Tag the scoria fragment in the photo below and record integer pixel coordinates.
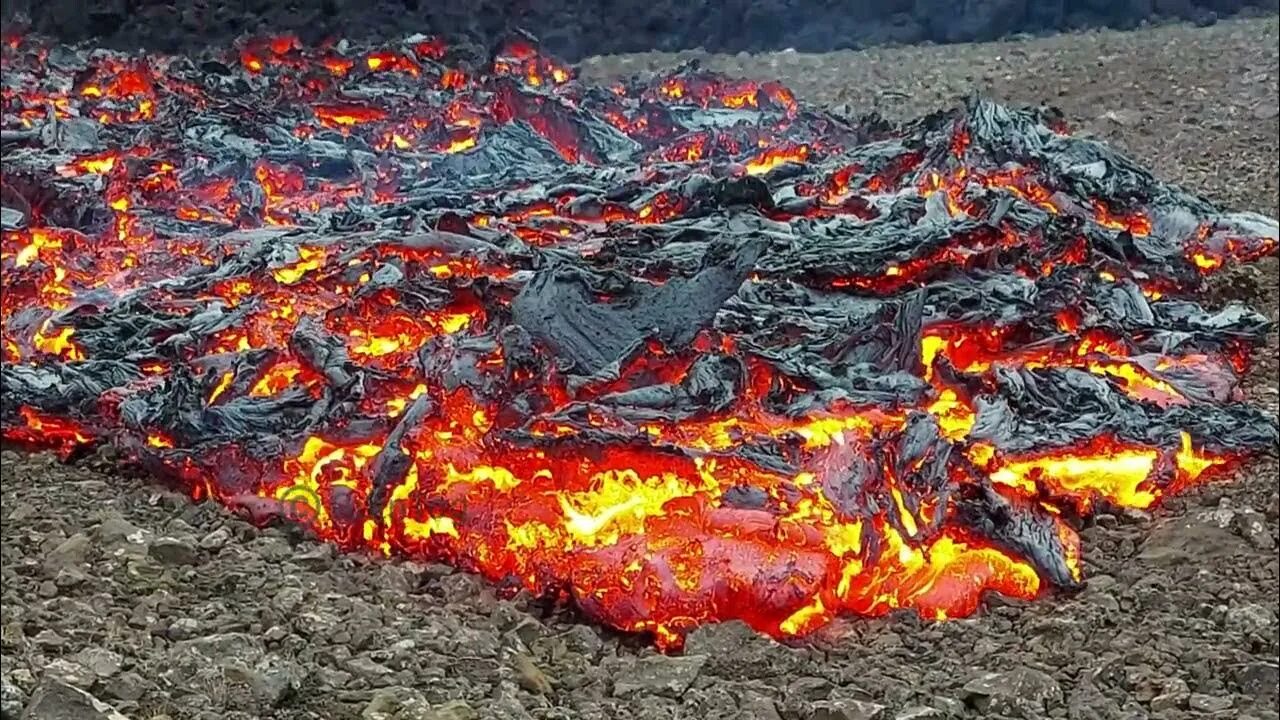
(678, 349)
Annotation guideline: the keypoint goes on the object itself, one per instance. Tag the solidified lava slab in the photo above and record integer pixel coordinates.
(678, 350)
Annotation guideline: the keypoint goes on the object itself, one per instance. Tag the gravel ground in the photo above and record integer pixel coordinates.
(166, 609)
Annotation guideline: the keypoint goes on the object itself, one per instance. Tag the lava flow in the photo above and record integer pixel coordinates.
(677, 350)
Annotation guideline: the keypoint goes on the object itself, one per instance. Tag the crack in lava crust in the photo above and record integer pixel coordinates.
(677, 349)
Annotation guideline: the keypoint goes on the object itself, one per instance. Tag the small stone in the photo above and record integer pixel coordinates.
(583, 640)
(1259, 679)
(809, 689)
(1252, 526)
(1265, 111)
(55, 700)
(843, 709)
(70, 553)
(1123, 118)
(71, 673)
(1175, 694)
(183, 629)
(1022, 690)
(116, 531)
(173, 551)
(456, 710)
(529, 676)
(754, 706)
(1249, 618)
(288, 599)
(332, 677)
(659, 675)
(48, 640)
(12, 699)
(216, 538)
(127, 686)
(387, 703)
(920, 712)
(949, 706)
(319, 557)
(365, 667)
(735, 651)
(272, 679)
(100, 661)
(1209, 703)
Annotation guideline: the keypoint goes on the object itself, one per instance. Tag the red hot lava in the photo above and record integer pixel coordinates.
(290, 279)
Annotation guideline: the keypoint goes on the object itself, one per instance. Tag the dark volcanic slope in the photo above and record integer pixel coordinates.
(172, 610)
(574, 28)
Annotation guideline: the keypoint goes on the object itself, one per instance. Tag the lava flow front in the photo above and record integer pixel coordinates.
(676, 350)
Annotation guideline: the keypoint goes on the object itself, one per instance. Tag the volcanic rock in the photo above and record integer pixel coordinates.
(12, 699)
(272, 679)
(239, 649)
(453, 710)
(1024, 690)
(845, 710)
(920, 712)
(366, 667)
(949, 706)
(71, 673)
(664, 675)
(396, 703)
(69, 553)
(54, 700)
(1259, 679)
(183, 629)
(529, 676)
(101, 662)
(734, 650)
(127, 686)
(1252, 526)
(1250, 617)
(115, 532)
(1176, 540)
(1175, 695)
(49, 639)
(754, 706)
(317, 557)
(173, 550)
(1209, 703)
(215, 538)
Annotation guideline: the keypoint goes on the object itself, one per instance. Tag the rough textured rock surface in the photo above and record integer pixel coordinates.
(165, 609)
(575, 28)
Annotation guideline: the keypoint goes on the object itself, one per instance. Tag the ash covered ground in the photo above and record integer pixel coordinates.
(164, 608)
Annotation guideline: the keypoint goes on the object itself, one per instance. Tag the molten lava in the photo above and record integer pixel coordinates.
(679, 350)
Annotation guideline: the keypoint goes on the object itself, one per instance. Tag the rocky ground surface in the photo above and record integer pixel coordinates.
(119, 597)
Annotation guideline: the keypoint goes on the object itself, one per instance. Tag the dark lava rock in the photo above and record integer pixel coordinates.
(58, 701)
(1022, 692)
(663, 675)
(173, 551)
(1260, 679)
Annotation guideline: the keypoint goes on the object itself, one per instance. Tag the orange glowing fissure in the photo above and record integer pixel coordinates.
(641, 534)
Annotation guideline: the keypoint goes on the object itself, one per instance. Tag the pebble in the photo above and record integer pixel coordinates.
(55, 700)
(1209, 703)
(664, 675)
(216, 538)
(173, 551)
(846, 710)
(69, 553)
(529, 676)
